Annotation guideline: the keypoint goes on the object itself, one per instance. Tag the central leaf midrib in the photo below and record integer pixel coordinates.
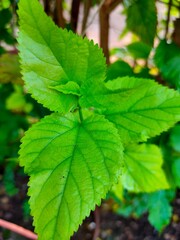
(64, 188)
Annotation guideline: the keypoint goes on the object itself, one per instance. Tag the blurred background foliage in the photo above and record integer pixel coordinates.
(154, 53)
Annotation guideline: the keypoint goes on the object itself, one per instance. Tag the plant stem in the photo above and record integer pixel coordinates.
(168, 19)
(80, 114)
(20, 230)
(97, 221)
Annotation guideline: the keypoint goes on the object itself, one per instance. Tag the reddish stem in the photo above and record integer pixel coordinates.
(17, 229)
(97, 221)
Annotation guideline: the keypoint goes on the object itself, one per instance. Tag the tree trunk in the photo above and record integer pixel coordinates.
(107, 7)
(74, 14)
(47, 7)
(58, 14)
(104, 31)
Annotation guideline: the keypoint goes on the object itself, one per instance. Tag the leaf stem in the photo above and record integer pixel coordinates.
(80, 114)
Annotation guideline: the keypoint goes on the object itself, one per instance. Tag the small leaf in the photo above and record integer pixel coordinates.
(167, 59)
(72, 166)
(68, 88)
(164, 52)
(143, 169)
(160, 210)
(139, 50)
(171, 71)
(139, 108)
(175, 138)
(142, 19)
(51, 56)
(119, 69)
(175, 171)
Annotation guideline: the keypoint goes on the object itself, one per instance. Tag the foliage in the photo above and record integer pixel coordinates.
(6, 33)
(141, 14)
(167, 59)
(136, 205)
(93, 122)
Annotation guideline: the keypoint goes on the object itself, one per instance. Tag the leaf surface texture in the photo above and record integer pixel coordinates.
(72, 166)
(139, 108)
(143, 169)
(51, 56)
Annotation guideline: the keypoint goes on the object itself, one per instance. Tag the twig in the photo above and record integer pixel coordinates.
(168, 19)
(87, 7)
(173, 5)
(97, 221)
(17, 229)
(93, 17)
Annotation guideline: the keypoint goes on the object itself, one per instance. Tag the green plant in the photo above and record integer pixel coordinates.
(96, 135)
(6, 16)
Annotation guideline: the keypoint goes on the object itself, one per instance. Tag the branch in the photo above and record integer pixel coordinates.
(107, 7)
(17, 229)
(74, 14)
(97, 221)
(173, 5)
(168, 19)
(47, 7)
(93, 17)
(111, 5)
(58, 14)
(87, 7)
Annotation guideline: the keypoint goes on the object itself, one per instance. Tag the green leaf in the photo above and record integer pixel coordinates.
(139, 108)
(119, 69)
(143, 169)
(142, 19)
(175, 171)
(68, 88)
(17, 102)
(139, 50)
(167, 59)
(133, 205)
(117, 189)
(164, 52)
(160, 210)
(171, 71)
(175, 138)
(72, 166)
(51, 56)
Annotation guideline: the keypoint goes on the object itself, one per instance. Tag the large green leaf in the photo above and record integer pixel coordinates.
(143, 169)
(140, 108)
(51, 56)
(142, 19)
(72, 166)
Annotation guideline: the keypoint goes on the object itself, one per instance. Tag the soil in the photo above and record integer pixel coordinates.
(109, 225)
